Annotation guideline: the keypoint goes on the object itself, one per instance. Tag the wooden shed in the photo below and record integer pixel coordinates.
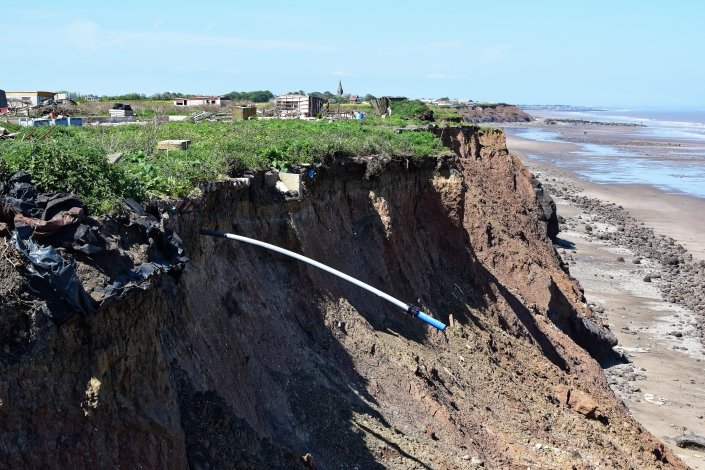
(295, 105)
(243, 113)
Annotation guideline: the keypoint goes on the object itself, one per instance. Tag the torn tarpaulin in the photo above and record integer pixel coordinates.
(21, 195)
(166, 248)
(165, 252)
(137, 278)
(139, 246)
(54, 279)
(58, 219)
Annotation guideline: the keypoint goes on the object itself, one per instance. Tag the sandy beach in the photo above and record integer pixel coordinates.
(639, 253)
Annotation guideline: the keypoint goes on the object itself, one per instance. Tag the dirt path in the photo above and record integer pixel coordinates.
(664, 383)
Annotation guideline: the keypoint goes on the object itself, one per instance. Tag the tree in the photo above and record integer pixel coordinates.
(326, 95)
(166, 96)
(369, 97)
(408, 109)
(257, 96)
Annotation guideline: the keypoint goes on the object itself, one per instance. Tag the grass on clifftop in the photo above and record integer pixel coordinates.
(73, 159)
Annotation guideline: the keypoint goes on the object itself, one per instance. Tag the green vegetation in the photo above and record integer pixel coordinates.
(60, 159)
(326, 96)
(408, 109)
(365, 108)
(134, 96)
(488, 105)
(144, 109)
(444, 112)
(10, 127)
(258, 96)
(74, 159)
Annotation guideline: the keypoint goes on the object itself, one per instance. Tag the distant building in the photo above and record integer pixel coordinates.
(296, 105)
(3, 102)
(354, 99)
(121, 110)
(33, 98)
(340, 88)
(202, 100)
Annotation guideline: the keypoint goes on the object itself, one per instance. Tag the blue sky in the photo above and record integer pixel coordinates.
(590, 53)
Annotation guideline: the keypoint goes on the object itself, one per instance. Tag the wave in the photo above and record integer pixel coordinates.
(657, 125)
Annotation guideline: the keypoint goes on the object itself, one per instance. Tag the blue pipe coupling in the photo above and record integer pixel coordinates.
(416, 312)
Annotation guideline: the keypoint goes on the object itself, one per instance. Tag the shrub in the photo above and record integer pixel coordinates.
(408, 109)
(74, 159)
(61, 160)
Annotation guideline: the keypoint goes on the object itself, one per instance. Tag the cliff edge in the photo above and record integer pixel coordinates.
(247, 359)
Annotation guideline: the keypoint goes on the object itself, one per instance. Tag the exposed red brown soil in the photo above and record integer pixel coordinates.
(251, 360)
(479, 113)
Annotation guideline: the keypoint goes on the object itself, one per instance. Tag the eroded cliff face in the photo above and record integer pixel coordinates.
(477, 112)
(248, 359)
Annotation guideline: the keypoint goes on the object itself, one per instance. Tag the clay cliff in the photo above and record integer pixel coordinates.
(247, 359)
(493, 112)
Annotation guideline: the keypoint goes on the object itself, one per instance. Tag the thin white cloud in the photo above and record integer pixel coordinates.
(85, 34)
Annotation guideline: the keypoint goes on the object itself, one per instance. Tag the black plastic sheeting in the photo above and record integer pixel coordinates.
(42, 222)
(21, 194)
(125, 107)
(53, 279)
(166, 253)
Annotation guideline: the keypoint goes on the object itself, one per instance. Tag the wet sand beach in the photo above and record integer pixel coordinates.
(639, 253)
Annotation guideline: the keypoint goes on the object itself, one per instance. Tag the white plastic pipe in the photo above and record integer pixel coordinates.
(406, 307)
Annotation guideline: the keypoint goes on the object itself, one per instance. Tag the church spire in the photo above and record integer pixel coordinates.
(340, 88)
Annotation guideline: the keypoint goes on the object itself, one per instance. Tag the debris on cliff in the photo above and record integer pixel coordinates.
(42, 224)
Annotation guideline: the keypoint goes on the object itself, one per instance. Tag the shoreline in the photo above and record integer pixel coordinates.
(621, 243)
(667, 213)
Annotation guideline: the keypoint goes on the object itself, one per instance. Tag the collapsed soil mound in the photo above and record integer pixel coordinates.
(247, 359)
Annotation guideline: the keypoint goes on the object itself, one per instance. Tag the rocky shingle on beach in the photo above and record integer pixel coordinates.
(680, 277)
(638, 254)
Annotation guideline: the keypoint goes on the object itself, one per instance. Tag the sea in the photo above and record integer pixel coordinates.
(665, 150)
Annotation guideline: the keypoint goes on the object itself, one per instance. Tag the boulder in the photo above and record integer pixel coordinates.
(578, 401)
(582, 403)
(691, 441)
